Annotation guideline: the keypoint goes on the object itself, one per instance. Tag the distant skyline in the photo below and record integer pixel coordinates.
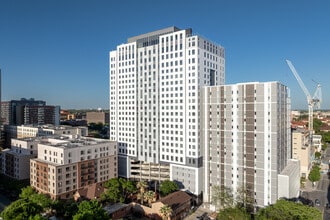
(58, 51)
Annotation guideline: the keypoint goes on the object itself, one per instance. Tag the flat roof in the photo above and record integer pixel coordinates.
(153, 33)
(292, 163)
(63, 141)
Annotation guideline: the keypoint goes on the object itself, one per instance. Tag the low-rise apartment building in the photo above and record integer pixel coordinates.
(16, 160)
(65, 165)
(317, 142)
(24, 131)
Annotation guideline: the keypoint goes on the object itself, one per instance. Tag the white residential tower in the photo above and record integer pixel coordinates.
(155, 84)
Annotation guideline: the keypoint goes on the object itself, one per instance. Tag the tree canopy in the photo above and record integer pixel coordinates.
(141, 185)
(314, 175)
(222, 197)
(167, 187)
(165, 211)
(65, 208)
(287, 210)
(118, 189)
(149, 196)
(325, 136)
(281, 210)
(317, 155)
(90, 210)
(317, 123)
(234, 213)
(30, 205)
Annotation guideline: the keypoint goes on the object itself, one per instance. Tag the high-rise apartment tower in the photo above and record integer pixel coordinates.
(246, 135)
(155, 84)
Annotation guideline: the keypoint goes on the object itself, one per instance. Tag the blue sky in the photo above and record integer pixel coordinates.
(57, 50)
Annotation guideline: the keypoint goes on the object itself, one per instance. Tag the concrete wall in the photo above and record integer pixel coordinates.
(289, 180)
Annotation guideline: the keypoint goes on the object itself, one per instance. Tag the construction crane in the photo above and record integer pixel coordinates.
(314, 101)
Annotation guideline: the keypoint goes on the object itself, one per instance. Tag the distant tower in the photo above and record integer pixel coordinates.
(1, 129)
(0, 99)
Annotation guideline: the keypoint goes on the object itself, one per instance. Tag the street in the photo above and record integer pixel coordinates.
(322, 190)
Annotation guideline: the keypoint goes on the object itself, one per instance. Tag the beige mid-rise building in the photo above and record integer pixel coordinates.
(65, 165)
(301, 150)
(97, 117)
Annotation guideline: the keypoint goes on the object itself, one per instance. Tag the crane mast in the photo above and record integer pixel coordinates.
(312, 102)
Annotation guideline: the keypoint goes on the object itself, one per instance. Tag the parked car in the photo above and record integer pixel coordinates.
(317, 202)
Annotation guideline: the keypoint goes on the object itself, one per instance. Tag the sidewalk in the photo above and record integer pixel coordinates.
(309, 185)
(200, 210)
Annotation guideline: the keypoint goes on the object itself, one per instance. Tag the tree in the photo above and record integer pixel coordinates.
(21, 209)
(113, 191)
(167, 187)
(314, 175)
(324, 146)
(29, 205)
(303, 117)
(65, 209)
(245, 198)
(222, 197)
(165, 211)
(90, 210)
(317, 123)
(128, 187)
(326, 136)
(118, 189)
(141, 185)
(149, 196)
(317, 155)
(283, 209)
(235, 213)
(38, 198)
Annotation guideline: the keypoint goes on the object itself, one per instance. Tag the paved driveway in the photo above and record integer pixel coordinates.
(200, 210)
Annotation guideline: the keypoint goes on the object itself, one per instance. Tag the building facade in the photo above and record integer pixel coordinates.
(289, 180)
(29, 111)
(246, 138)
(97, 117)
(41, 115)
(317, 142)
(24, 131)
(155, 82)
(5, 113)
(302, 151)
(16, 160)
(65, 164)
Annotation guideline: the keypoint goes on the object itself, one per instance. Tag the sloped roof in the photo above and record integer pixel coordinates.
(176, 199)
(91, 191)
(325, 127)
(115, 207)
